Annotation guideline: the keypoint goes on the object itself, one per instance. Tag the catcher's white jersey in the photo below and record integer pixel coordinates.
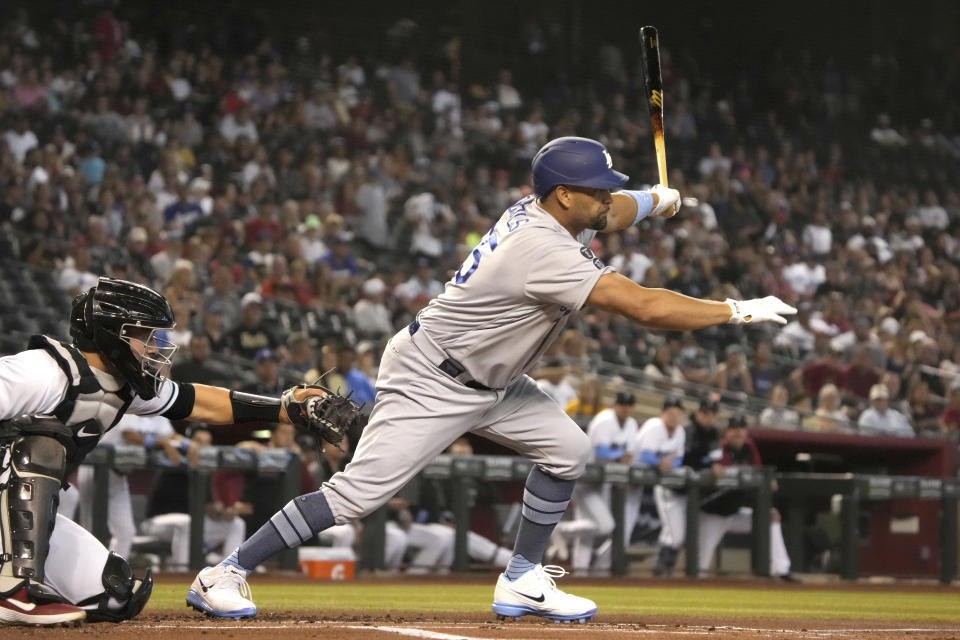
(513, 294)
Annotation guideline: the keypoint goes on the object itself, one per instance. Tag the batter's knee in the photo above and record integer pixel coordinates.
(574, 457)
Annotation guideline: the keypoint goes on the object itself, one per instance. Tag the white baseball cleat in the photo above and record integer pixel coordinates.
(223, 592)
(535, 593)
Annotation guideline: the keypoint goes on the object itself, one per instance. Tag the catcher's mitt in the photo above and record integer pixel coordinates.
(329, 416)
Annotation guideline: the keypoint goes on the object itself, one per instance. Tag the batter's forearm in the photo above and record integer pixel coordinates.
(672, 311)
(656, 308)
(623, 211)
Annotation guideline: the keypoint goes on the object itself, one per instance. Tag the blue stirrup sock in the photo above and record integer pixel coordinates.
(545, 500)
(298, 521)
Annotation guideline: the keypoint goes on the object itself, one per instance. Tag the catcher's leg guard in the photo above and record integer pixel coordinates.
(29, 494)
(86, 574)
(124, 595)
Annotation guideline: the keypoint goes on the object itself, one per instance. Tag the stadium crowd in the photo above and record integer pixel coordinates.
(298, 206)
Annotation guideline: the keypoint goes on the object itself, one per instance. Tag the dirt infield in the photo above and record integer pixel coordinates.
(182, 625)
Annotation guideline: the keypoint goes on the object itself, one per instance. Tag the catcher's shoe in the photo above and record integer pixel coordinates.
(19, 608)
(535, 593)
(222, 591)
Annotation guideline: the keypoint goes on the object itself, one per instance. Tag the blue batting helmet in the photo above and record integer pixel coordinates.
(579, 162)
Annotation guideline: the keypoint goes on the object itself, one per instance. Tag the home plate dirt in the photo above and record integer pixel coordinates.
(171, 625)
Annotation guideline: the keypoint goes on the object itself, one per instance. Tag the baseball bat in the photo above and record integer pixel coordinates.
(650, 50)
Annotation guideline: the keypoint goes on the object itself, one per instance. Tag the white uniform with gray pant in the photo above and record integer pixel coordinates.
(460, 367)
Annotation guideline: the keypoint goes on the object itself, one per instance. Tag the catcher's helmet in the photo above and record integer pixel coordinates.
(117, 317)
(578, 162)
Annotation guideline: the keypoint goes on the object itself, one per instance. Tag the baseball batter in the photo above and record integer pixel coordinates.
(460, 367)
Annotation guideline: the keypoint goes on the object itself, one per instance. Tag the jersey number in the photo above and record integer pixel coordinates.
(473, 260)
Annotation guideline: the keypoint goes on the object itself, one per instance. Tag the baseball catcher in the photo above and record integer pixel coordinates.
(56, 400)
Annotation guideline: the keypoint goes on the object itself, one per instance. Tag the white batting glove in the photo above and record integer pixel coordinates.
(769, 309)
(669, 201)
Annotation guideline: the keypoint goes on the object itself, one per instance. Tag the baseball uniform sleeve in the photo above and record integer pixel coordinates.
(31, 383)
(161, 402)
(564, 274)
(647, 443)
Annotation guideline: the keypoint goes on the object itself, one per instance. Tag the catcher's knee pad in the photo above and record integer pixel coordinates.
(28, 507)
(124, 595)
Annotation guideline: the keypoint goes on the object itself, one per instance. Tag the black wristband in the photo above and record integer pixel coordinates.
(183, 405)
(248, 407)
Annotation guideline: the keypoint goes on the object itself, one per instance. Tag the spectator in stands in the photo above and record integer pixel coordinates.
(311, 243)
(253, 333)
(139, 258)
(932, 215)
(798, 336)
(370, 313)
(163, 261)
(661, 369)
(778, 415)
(830, 416)
(950, 418)
(182, 294)
(301, 356)
(631, 262)
(356, 382)
(421, 283)
(195, 368)
(269, 381)
(551, 378)
(588, 403)
(805, 275)
(924, 411)
(880, 420)
(184, 212)
(696, 363)
(861, 334)
(733, 374)
(431, 218)
(221, 294)
(762, 371)
(344, 267)
(76, 277)
(813, 376)
(239, 124)
(20, 139)
(856, 378)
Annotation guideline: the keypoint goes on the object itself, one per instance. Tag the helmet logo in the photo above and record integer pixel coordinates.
(609, 160)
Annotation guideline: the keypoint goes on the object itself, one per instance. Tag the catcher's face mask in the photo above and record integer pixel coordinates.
(151, 349)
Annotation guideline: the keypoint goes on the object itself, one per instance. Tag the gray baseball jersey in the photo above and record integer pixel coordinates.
(513, 294)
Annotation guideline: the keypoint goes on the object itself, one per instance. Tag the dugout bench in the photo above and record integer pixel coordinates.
(857, 494)
(280, 463)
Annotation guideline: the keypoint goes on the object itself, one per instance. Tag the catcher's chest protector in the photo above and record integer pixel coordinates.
(88, 409)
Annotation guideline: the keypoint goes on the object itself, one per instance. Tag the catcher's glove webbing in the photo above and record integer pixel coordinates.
(329, 416)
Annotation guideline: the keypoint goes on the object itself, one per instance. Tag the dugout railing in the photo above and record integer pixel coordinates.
(797, 493)
(278, 463)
